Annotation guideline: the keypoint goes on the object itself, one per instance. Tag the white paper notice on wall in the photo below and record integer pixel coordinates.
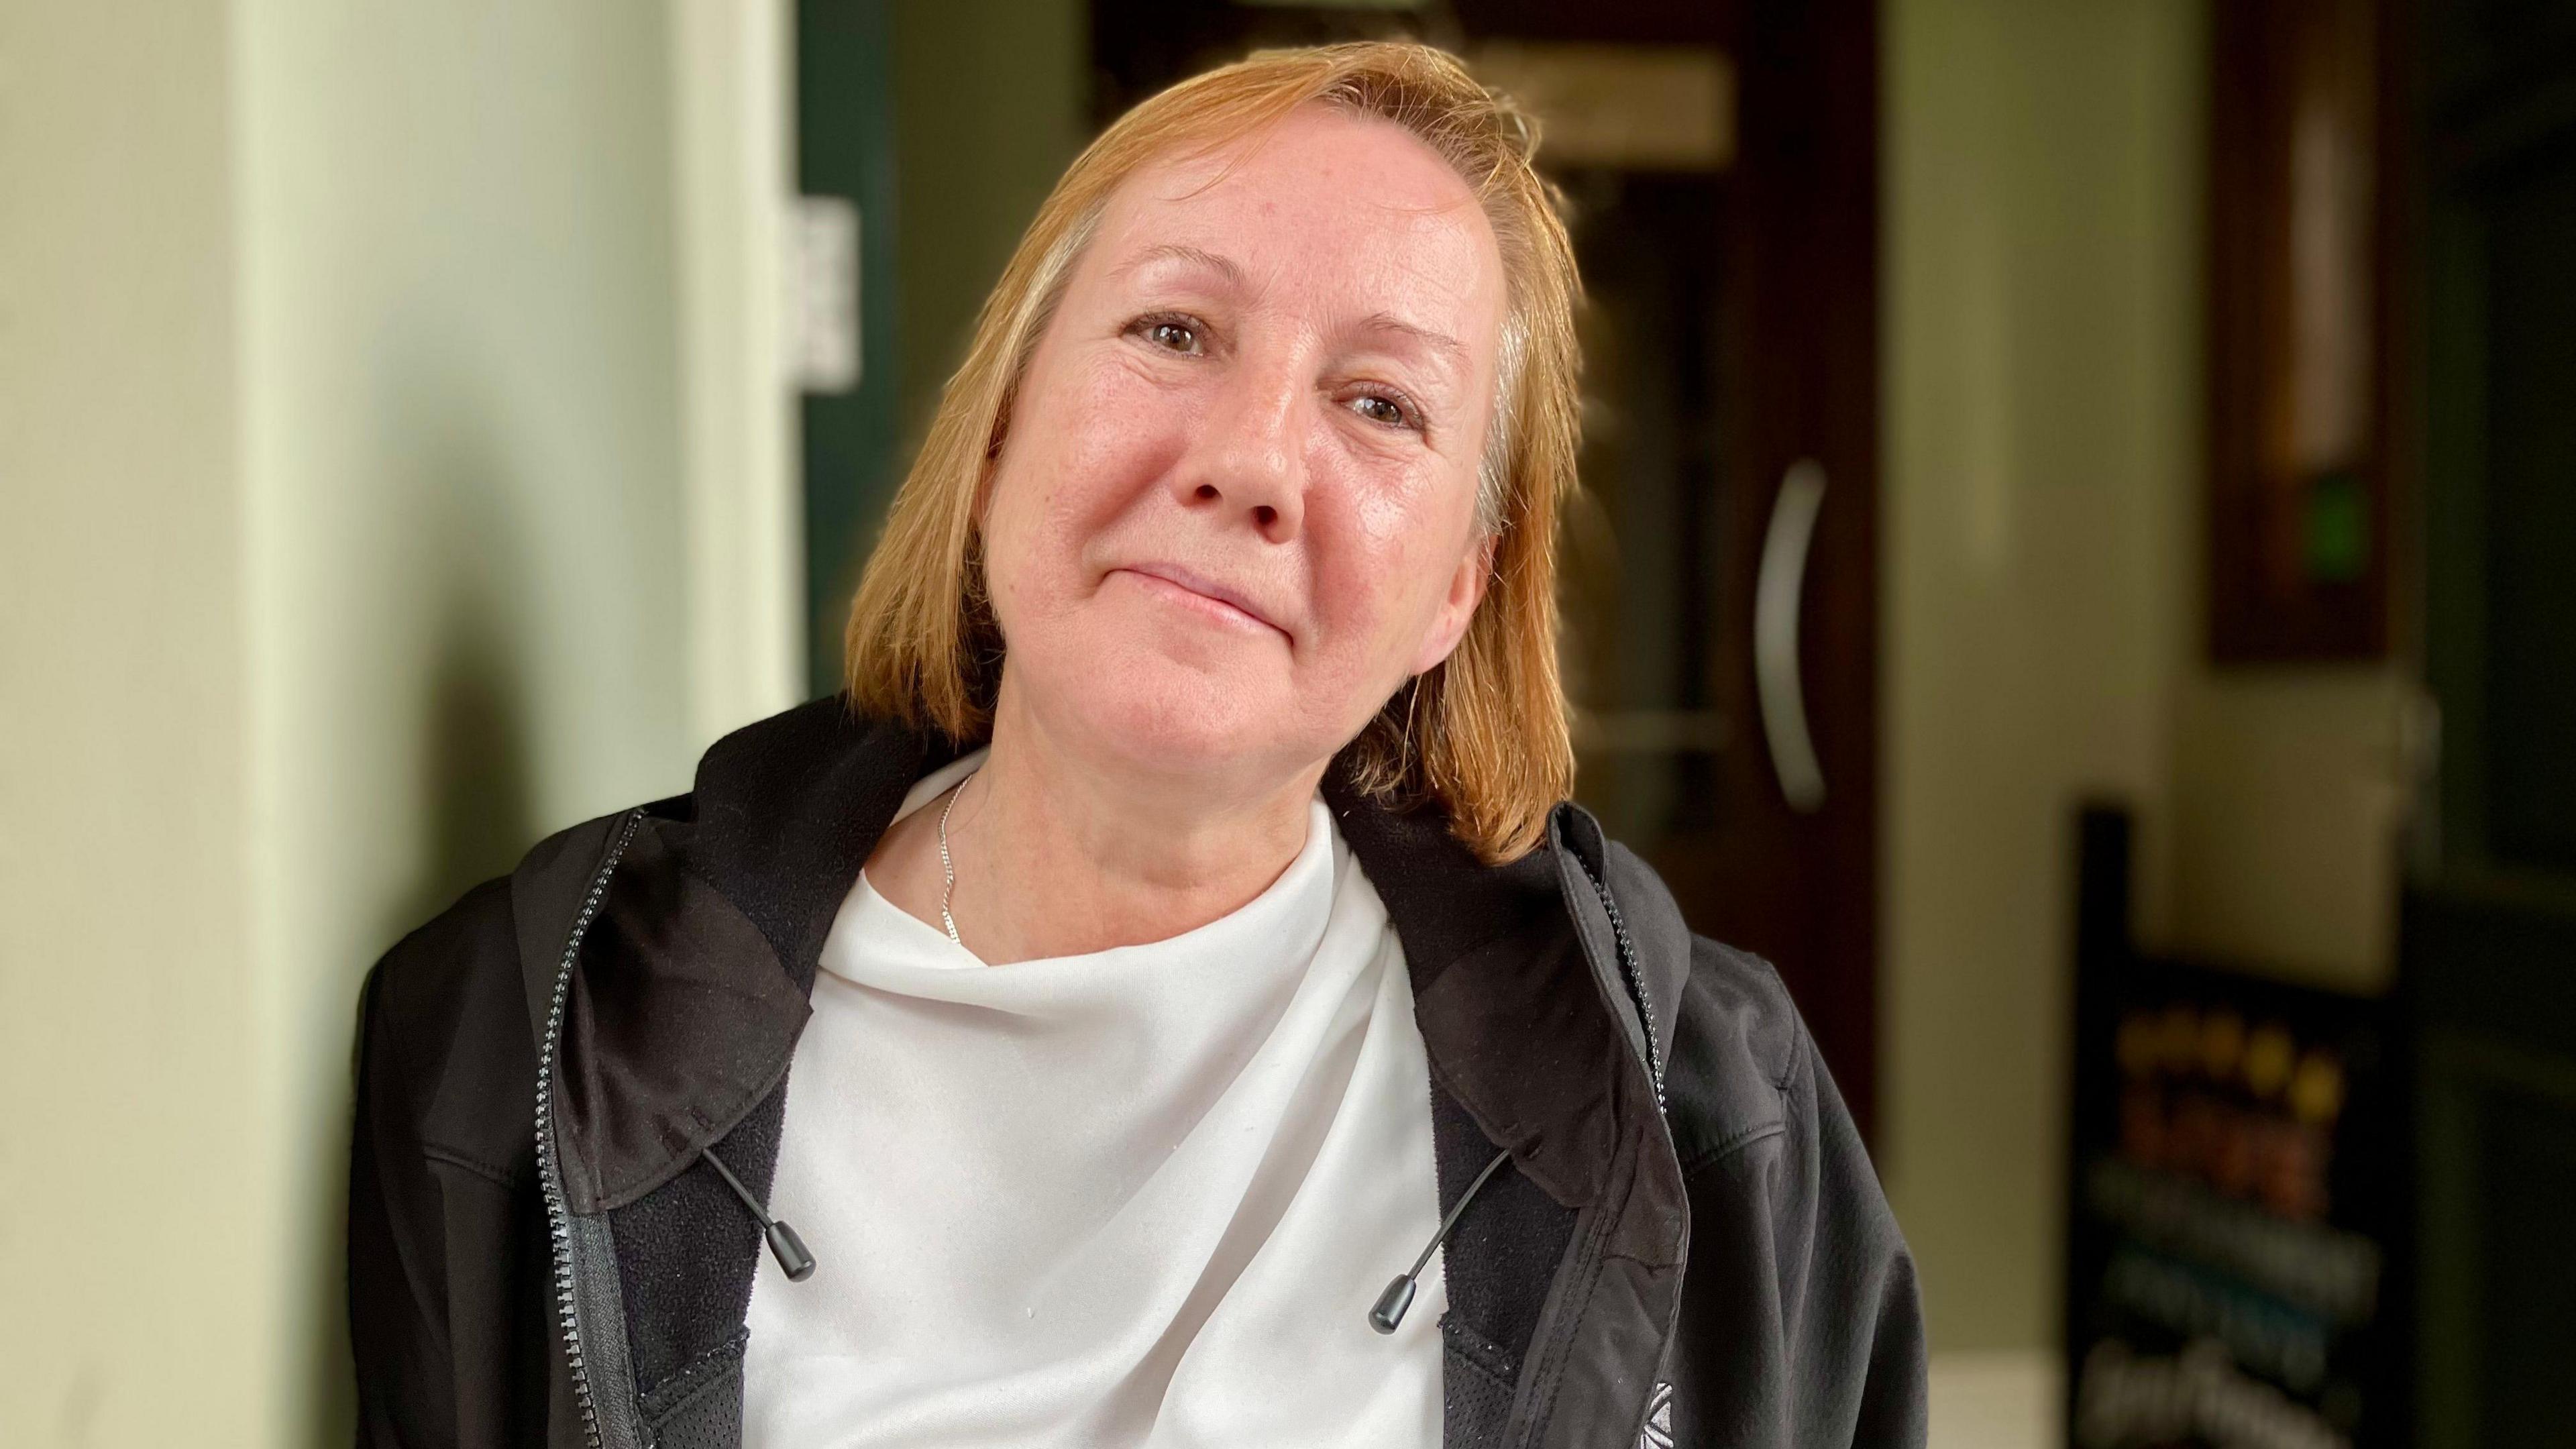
(823, 301)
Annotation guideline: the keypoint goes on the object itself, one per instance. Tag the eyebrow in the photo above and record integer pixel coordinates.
(1174, 251)
(1450, 348)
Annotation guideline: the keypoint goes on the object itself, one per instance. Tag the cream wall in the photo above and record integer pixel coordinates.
(465, 503)
(2291, 790)
(359, 512)
(732, 82)
(2042, 252)
(124, 955)
(2041, 327)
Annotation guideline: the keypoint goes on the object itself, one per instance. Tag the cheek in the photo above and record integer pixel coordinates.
(1080, 458)
(1385, 568)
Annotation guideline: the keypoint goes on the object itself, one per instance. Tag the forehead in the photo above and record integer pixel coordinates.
(1347, 203)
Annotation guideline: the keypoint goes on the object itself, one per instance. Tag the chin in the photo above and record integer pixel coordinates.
(1188, 722)
(1161, 716)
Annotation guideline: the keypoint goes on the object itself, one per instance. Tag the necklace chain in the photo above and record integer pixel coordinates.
(948, 869)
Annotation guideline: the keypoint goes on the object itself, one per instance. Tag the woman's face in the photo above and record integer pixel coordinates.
(1236, 505)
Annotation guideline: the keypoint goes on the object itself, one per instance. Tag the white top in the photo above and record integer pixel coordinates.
(1139, 1197)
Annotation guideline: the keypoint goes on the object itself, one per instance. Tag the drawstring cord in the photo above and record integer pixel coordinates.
(1398, 1297)
(784, 1245)
(1384, 1316)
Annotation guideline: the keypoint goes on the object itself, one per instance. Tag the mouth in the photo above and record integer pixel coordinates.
(1212, 600)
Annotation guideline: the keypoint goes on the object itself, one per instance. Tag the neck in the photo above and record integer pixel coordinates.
(1059, 853)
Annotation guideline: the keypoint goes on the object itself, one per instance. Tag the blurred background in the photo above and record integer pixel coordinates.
(2078, 565)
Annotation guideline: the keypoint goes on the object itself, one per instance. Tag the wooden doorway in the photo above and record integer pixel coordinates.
(2490, 912)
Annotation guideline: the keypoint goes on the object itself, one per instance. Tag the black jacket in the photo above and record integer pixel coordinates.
(1688, 1246)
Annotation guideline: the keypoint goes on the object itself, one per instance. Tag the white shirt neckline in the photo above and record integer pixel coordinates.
(1142, 1196)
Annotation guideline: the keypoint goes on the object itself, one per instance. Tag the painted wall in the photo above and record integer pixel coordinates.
(353, 484)
(125, 963)
(2291, 792)
(2044, 323)
(467, 581)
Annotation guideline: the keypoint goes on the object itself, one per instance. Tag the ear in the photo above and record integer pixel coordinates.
(1458, 609)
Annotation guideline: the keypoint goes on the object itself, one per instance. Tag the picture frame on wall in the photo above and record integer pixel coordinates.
(2302, 411)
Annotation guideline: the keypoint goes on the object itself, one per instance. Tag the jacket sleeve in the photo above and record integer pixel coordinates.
(446, 1278)
(1801, 1328)
(1857, 1344)
(397, 1315)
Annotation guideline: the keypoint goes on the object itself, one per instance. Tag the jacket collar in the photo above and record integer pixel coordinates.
(1500, 991)
(786, 811)
(1515, 981)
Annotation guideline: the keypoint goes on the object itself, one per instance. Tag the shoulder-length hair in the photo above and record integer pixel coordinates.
(1483, 735)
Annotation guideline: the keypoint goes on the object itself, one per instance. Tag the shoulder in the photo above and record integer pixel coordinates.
(450, 1016)
(484, 939)
(1737, 998)
(1735, 1049)
(1739, 1052)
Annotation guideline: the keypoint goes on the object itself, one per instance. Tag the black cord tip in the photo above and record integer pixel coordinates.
(789, 1250)
(1399, 1294)
(1391, 1305)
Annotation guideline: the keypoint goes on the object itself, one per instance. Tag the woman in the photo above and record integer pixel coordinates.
(1176, 932)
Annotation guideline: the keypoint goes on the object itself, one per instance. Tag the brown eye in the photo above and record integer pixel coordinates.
(1381, 410)
(1176, 336)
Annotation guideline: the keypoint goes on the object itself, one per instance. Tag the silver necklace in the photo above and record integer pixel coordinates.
(948, 869)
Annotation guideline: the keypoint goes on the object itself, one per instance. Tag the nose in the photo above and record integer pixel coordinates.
(1246, 461)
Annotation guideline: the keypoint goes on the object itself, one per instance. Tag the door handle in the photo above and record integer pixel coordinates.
(1776, 591)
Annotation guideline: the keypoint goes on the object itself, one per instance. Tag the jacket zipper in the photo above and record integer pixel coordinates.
(1634, 975)
(1650, 1434)
(549, 1165)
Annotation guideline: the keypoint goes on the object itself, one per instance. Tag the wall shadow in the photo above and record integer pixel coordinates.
(476, 774)
(476, 771)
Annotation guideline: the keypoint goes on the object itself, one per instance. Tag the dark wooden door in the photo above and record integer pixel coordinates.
(1720, 161)
(2489, 947)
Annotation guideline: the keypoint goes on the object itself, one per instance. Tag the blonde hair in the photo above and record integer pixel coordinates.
(1484, 734)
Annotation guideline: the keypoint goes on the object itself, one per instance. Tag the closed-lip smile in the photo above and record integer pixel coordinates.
(1204, 592)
